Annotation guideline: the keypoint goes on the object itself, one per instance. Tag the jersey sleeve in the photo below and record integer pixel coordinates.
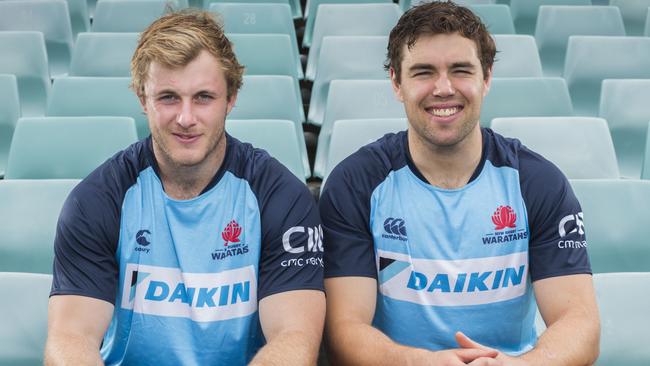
(558, 244)
(292, 245)
(85, 244)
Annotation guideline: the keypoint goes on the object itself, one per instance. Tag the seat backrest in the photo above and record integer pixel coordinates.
(517, 56)
(623, 302)
(349, 20)
(277, 137)
(556, 23)
(97, 96)
(524, 12)
(127, 16)
(103, 54)
(207, 3)
(496, 17)
(580, 146)
(23, 317)
(591, 59)
(624, 104)
(647, 24)
(352, 99)
(645, 170)
(28, 217)
(33, 77)
(634, 14)
(9, 114)
(348, 135)
(526, 97)
(49, 17)
(265, 53)
(406, 4)
(66, 147)
(79, 16)
(616, 215)
(345, 57)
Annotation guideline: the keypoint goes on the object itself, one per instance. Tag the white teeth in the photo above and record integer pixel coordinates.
(445, 112)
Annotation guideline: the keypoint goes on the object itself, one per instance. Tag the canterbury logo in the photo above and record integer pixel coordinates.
(395, 226)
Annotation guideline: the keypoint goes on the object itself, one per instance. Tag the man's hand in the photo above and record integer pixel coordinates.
(500, 358)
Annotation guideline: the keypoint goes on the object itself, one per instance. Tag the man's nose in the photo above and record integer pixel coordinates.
(185, 117)
(443, 86)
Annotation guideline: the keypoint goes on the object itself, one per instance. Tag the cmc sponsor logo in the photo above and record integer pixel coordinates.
(505, 230)
(295, 243)
(571, 224)
(199, 296)
(142, 239)
(395, 228)
(230, 235)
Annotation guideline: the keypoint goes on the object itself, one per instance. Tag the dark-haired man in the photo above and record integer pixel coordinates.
(441, 240)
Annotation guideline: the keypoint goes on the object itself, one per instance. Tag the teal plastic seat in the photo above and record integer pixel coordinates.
(103, 54)
(24, 55)
(349, 135)
(296, 10)
(624, 104)
(556, 23)
(647, 25)
(66, 147)
(127, 16)
(616, 216)
(278, 57)
(580, 146)
(28, 216)
(496, 17)
(524, 12)
(526, 97)
(591, 59)
(407, 4)
(354, 99)
(349, 20)
(23, 317)
(260, 18)
(311, 13)
(517, 56)
(9, 114)
(272, 97)
(645, 171)
(277, 137)
(345, 57)
(634, 13)
(97, 96)
(79, 16)
(49, 17)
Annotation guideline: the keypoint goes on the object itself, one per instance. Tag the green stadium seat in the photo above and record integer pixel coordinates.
(517, 56)
(24, 55)
(127, 16)
(277, 137)
(66, 147)
(103, 54)
(23, 317)
(79, 16)
(277, 51)
(580, 146)
(526, 97)
(524, 12)
(296, 10)
(645, 171)
(97, 96)
(647, 25)
(556, 23)
(9, 114)
(496, 17)
(634, 14)
(28, 217)
(407, 4)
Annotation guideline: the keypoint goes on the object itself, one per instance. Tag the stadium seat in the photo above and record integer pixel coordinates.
(634, 14)
(524, 12)
(647, 25)
(624, 104)
(277, 137)
(28, 217)
(311, 12)
(79, 16)
(354, 99)
(623, 303)
(260, 18)
(9, 114)
(103, 54)
(271, 97)
(590, 59)
(66, 147)
(407, 4)
(556, 23)
(97, 96)
(645, 171)
(23, 316)
(496, 17)
(24, 55)
(517, 56)
(348, 135)
(580, 146)
(296, 10)
(51, 18)
(127, 16)
(616, 217)
(526, 97)
(345, 57)
(265, 54)
(349, 20)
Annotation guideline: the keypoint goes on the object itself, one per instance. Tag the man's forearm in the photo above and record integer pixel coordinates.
(288, 348)
(71, 350)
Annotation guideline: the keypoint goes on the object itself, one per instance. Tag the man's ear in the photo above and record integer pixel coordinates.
(487, 82)
(231, 102)
(395, 84)
(143, 102)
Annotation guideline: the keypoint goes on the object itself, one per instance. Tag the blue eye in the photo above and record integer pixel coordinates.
(204, 98)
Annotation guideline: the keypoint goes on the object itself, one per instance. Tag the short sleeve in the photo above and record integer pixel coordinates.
(558, 244)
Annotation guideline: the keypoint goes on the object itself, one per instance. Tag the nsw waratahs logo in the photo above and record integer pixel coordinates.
(232, 245)
(504, 219)
(395, 228)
